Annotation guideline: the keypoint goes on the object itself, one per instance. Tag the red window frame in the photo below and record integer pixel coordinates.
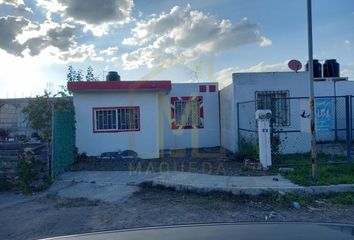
(202, 88)
(94, 109)
(201, 112)
(212, 88)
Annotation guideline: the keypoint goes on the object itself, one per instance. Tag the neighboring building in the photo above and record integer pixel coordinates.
(145, 116)
(267, 85)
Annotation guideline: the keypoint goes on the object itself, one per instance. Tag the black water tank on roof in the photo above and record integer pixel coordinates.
(331, 68)
(112, 76)
(317, 68)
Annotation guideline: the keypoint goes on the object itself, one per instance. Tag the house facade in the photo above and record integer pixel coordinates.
(150, 116)
(145, 116)
(251, 91)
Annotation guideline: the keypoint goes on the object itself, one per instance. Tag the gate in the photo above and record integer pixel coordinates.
(63, 141)
(291, 138)
(247, 130)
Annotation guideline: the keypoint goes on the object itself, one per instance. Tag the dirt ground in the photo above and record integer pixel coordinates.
(215, 164)
(33, 217)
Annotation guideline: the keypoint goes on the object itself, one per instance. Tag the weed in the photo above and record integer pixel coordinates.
(345, 198)
(327, 174)
(4, 184)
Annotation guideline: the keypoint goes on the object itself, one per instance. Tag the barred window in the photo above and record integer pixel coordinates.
(278, 102)
(187, 113)
(128, 118)
(106, 120)
(116, 119)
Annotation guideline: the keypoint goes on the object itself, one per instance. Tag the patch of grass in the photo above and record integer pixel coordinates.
(26, 171)
(327, 174)
(273, 198)
(343, 198)
(4, 185)
(346, 198)
(305, 159)
(248, 149)
(287, 198)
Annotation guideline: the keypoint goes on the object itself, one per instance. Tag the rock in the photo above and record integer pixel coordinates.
(285, 169)
(320, 202)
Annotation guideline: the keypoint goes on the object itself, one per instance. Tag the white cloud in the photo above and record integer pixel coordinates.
(96, 16)
(147, 30)
(265, 42)
(109, 51)
(186, 34)
(347, 41)
(16, 4)
(224, 76)
(347, 71)
(20, 37)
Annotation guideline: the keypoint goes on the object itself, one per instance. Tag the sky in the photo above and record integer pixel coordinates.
(181, 41)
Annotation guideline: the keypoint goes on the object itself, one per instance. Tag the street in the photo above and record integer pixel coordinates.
(47, 214)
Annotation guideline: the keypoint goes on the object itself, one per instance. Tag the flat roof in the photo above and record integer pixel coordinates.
(146, 85)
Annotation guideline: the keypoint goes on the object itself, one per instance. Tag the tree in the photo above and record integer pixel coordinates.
(79, 76)
(38, 111)
(89, 75)
(71, 75)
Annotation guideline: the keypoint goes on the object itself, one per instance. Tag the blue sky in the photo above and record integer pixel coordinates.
(182, 41)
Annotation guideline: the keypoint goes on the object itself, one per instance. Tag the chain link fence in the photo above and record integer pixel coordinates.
(247, 130)
(290, 132)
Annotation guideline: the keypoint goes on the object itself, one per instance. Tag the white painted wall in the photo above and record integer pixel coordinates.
(209, 136)
(246, 84)
(144, 142)
(227, 118)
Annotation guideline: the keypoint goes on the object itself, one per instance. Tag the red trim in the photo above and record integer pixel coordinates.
(119, 85)
(114, 131)
(187, 98)
(202, 88)
(173, 99)
(201, 112)
(212, 88)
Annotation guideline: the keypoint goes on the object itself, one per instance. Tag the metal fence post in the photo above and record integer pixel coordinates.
(238, 127)
(348, 115)
(51, 145)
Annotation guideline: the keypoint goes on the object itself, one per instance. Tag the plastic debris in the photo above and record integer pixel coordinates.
(296, 205)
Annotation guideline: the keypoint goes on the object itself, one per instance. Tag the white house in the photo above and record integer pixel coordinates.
(145, 116)
(150, 116)
(266, 85)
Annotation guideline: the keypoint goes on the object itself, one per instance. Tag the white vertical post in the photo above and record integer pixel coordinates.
(265, 154)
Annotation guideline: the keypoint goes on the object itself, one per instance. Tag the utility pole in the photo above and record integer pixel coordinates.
(312, 100)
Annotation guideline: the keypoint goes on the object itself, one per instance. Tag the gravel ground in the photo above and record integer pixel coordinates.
(33, 217)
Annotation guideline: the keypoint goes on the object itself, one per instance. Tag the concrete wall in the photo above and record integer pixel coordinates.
(227, 118)
(144, 142)
(246, 84)
(12, 118)
(208, 136)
